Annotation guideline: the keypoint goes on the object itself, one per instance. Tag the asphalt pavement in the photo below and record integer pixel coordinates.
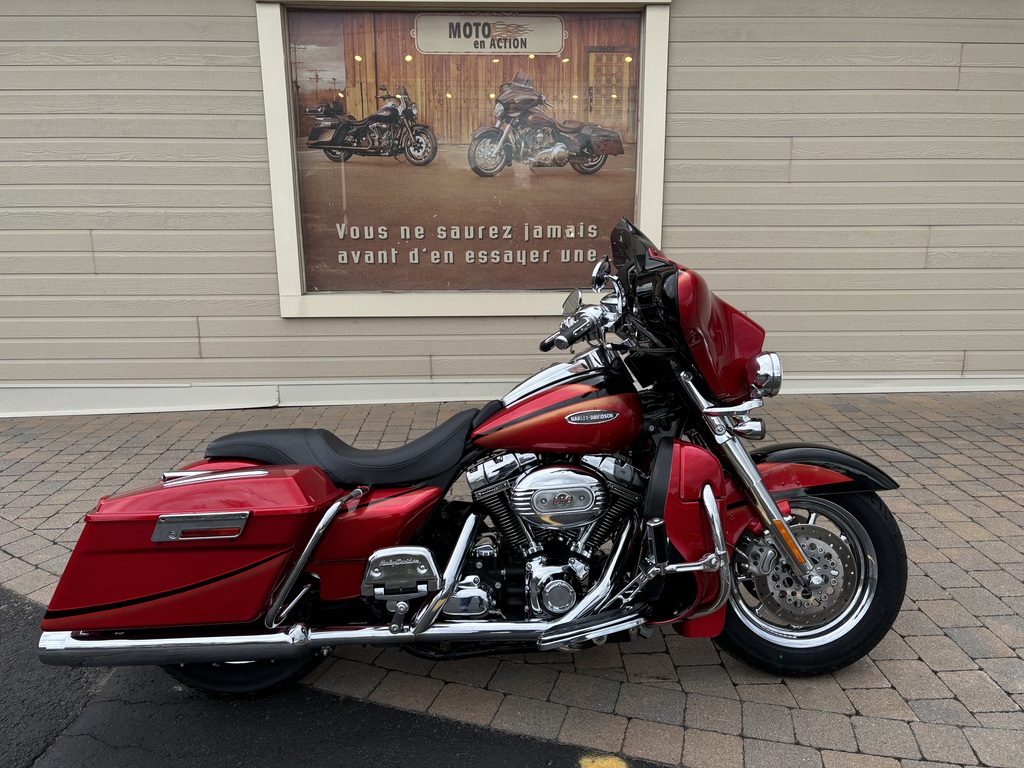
(138, 717)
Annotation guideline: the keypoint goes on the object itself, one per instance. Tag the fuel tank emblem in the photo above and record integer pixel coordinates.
(591, 417)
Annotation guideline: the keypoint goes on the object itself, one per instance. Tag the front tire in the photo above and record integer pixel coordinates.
(774, 624)
(422, 148)
(245, 678)
(486, 156)
(589, 164)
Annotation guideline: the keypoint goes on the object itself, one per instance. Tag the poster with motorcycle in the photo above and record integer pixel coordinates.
(461, 151)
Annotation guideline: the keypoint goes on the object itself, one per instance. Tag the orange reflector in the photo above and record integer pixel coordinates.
(794, 549)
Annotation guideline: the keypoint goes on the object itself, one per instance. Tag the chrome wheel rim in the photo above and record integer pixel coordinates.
(419, 147)
(488, 156)
(769, 601)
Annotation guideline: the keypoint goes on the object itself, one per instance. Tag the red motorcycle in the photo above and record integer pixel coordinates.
(610, 493)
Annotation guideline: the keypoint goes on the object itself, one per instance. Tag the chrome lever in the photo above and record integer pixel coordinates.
(734, 410)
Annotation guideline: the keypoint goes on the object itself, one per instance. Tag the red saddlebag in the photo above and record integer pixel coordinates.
(192, 551)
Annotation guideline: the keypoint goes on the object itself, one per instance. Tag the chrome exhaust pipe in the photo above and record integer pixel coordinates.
(64, 648)
(67, 649)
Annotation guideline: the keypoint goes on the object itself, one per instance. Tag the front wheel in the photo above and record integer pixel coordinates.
(772, 622)
(422, 147)
(589, 163)
(487, 157)
(243, 678)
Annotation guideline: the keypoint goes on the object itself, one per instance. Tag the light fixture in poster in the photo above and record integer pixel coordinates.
(430, 161)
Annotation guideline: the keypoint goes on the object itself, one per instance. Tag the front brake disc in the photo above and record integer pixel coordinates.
(783, 596)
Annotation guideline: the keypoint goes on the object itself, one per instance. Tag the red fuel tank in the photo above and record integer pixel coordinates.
(567, 418)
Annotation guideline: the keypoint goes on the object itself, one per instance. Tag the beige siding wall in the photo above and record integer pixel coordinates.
(850, 172)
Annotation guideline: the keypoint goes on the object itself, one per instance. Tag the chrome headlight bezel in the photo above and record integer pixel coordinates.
(768, 379)
(499, 109)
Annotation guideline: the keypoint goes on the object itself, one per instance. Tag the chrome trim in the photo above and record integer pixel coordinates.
(274, 616)
(428, 615)
(559, 373)
(558, 497)
(567, 635)
(82, 651)
(752, 483)
(768, 379)
(234, 474)
(64, 648)
(499, 470)
(719, 559)
(173, 527)
(600, 593)
(177, 474)
(400, 573)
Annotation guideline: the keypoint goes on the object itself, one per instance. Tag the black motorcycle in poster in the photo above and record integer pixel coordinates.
(389, 132)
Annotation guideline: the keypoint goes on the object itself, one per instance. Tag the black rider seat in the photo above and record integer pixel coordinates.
(433, 454)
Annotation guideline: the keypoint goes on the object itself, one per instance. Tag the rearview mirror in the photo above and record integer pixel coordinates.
(599, 277)
(572, 303)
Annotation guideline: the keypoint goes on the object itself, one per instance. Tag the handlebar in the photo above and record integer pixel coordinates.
(569, 334)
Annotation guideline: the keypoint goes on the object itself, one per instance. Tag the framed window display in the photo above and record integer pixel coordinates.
(439, 159)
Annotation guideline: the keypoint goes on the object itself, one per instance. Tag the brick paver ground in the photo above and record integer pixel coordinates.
(946, 687)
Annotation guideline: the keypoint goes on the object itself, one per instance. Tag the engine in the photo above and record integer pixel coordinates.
(378, 135)
(550, 521)
(542, 148)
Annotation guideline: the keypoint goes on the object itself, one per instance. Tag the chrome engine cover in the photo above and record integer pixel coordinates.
(558, 497)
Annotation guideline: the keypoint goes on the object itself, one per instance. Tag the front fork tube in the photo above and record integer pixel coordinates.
(500, 147)
(752, 484)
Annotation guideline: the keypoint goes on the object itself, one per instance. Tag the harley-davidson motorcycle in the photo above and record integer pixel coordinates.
(390, 131)
(609, 494)
(524, 132)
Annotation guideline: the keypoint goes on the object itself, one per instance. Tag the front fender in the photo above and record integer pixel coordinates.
(860, 475)
(794, 469)
(489, 129)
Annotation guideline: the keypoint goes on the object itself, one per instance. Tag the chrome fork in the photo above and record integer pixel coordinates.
(720, 421)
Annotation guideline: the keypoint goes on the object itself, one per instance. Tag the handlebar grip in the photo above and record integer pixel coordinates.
(562, 341)
(549, 342)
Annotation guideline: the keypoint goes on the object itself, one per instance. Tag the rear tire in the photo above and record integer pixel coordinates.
(245, 678)
(338, 155)
(589, 164)
(773, 624)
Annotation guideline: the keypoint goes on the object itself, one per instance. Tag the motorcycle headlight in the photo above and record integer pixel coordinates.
(499, 109)
(768, 379)
(414, 110)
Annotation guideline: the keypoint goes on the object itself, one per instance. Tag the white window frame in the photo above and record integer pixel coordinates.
(650, 173)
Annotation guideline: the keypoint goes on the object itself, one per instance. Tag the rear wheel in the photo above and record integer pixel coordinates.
(589, 163)
(338, 155)
(242, 678)
(772, 622)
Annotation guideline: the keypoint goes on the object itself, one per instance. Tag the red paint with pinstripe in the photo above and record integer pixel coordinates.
(538, 422)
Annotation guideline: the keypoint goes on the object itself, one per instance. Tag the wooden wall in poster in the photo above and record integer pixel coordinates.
(383, 40)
